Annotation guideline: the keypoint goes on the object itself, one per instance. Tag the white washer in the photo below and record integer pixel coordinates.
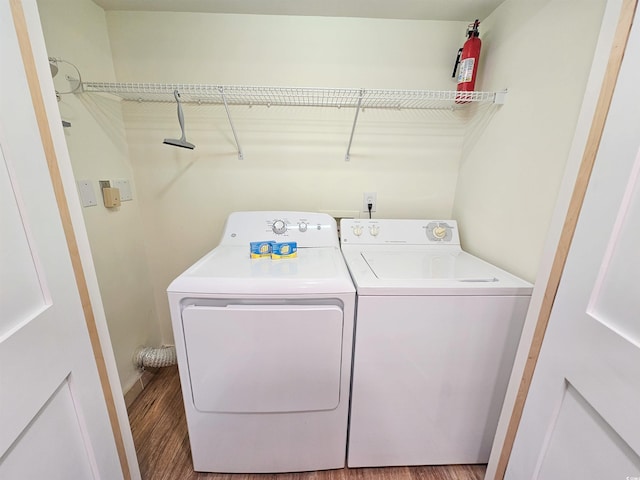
(264, 348)
(436, 334)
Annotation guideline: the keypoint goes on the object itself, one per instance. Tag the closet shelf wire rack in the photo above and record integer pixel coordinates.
(293, 96)
(358, 98)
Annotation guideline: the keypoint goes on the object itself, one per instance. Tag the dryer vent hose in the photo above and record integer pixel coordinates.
(150, 357)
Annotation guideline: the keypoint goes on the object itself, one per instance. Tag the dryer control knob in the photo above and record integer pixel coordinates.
(357, 230)
(374, 230)
(440, 232)
(279, 227)
(302, 226)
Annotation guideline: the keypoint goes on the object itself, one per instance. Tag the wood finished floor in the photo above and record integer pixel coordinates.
(160, 435)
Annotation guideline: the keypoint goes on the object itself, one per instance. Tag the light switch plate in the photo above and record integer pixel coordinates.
(87, 194)
(125, 189)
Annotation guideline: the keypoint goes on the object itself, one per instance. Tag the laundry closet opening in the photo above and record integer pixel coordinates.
(497, 170)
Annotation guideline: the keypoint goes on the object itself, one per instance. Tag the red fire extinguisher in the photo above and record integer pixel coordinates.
(467, 61)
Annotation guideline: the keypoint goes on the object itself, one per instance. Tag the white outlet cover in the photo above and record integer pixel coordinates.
(369, 197)
(87, 194)
(125, 189)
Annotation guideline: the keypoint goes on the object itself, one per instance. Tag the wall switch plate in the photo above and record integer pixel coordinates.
(125, 189)
(87, 194)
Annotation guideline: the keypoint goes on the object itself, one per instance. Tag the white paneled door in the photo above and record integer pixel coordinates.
(54, 421)
(582, 415)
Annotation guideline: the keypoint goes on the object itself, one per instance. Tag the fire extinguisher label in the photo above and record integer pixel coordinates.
(465, 74)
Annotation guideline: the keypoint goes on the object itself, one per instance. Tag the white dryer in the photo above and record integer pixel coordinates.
(264, 347)
(436, 334)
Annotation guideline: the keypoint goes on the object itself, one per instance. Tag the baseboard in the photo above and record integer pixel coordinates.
(139, 385)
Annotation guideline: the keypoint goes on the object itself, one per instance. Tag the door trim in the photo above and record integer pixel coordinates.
(33, 81)
(623, 29)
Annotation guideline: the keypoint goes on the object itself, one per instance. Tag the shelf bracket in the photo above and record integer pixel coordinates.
(235, 136)
(500, 97)
(347, 157)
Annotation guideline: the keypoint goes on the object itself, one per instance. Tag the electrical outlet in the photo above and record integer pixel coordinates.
(369, 198)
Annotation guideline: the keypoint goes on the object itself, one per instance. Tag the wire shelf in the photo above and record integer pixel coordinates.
(293, 96)
(357, 98)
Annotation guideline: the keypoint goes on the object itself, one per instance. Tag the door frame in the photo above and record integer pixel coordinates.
(552, 280)
(59, 167)
(33, 52)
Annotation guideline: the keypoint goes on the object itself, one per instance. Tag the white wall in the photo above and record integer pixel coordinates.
(509, 176)
(500, 180)
(75, 30)
(294, 157)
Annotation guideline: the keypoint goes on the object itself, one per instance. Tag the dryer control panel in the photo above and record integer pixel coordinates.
(398, 232)
(308, 229)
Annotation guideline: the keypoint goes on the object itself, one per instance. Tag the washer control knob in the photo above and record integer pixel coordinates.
(279, 227)
(357, 230)
(439, 232)
(302, 226)
(374, 230)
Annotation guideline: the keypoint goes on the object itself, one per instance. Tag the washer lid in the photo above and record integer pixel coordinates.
(427, 271)
(229, 270)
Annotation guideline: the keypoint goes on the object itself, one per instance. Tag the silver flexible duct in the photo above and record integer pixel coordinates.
(150, 357)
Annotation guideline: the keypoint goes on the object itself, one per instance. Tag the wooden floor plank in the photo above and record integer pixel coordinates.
(160, 435)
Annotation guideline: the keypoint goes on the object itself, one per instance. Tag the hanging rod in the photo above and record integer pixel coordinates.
(294, 96)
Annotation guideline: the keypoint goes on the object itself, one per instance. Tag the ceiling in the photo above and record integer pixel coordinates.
(454, 10)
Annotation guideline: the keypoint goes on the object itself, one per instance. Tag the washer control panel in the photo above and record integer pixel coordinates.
(308, 229)
(393, 231)
(439, 231)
